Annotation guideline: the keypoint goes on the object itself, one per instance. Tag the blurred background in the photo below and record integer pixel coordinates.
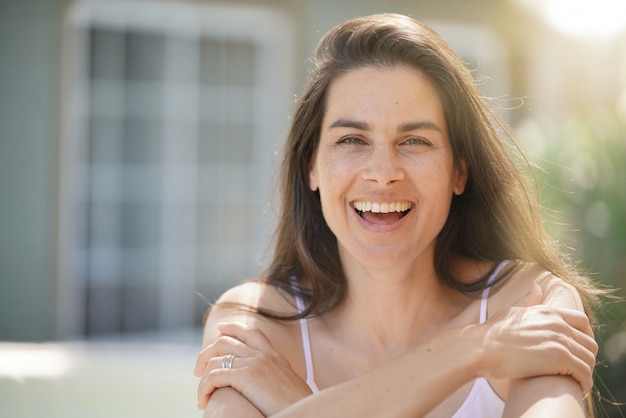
(138, 141)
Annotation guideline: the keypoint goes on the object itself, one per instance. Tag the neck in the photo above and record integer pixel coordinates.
(390, 309)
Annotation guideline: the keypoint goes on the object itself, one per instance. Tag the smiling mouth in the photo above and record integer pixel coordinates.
(382, 212)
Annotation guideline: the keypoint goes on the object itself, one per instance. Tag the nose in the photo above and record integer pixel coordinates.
(383, 165)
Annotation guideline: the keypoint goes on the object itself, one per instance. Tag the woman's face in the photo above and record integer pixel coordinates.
(384, 167)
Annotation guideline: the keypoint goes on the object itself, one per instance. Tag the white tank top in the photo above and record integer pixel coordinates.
(482, 401)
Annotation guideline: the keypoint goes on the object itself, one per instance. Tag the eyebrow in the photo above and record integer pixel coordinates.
(349, 123)
(405, 127)
(419, 126)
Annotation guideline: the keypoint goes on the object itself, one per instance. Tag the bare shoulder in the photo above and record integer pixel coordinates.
(258, 294)
(559, 293)
(556, 291)
(241, 303)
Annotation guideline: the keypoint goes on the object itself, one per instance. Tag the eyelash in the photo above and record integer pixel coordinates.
(416, 140)
(354, 140)
(350, 140)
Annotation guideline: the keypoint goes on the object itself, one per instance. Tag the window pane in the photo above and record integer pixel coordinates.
(144, 56)
(107, 54)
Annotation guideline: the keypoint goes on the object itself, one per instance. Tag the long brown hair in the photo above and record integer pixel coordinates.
(496, 218)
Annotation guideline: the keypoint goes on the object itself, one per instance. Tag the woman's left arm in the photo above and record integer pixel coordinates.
(549, 396)
(545, 397)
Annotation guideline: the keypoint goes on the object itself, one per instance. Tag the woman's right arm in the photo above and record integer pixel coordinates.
(228, 402)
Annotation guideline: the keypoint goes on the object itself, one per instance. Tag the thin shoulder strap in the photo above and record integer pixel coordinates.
(485, 296)
(304, 333)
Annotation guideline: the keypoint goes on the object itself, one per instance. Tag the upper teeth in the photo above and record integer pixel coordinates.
(381, 207)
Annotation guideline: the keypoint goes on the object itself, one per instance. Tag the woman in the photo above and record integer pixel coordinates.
(411, 272)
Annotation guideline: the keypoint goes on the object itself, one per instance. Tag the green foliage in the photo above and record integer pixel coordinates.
(583, 192)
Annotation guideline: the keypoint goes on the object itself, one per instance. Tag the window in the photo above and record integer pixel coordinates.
(172, 114)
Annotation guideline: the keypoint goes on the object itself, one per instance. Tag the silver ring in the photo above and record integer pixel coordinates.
(227, 361)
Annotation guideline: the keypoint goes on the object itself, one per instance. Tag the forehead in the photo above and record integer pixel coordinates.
(379, 94)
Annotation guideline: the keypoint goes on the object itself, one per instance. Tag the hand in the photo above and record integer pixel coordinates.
(258, 372)
(531, 340)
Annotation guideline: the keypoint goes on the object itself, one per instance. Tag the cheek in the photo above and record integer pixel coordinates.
(437, 183)
(334, 180)
(324, 174)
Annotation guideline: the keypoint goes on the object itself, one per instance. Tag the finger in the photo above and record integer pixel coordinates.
(583, 374)
(586, 351)
(533, 297)
(204, 393)
(588, 342)
(220, 347)
(203, 358)
(205, 390)
(578, 320)
(216, 375)
(575, 357)
(201, 362)
(576, 324)
(577, 341)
